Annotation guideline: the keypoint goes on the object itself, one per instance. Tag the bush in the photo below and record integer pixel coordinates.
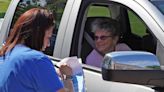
(2, 14)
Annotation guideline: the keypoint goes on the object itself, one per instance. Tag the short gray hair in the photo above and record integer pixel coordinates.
(106, 24)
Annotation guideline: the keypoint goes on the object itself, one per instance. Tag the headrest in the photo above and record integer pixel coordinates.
(90, 20)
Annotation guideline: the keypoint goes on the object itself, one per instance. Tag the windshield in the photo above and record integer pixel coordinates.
(159, 4)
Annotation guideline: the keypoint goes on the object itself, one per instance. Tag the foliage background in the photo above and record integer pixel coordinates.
(3, 7)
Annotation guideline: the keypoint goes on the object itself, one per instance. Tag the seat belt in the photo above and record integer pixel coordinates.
(89, 40)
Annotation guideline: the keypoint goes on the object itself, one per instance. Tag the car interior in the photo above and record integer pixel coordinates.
(147, 42)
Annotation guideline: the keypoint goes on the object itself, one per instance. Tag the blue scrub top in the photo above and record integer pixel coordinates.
(27, 70)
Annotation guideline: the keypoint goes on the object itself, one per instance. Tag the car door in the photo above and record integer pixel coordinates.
(135, 21)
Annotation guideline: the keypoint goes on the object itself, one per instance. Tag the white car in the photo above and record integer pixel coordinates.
(141, 25)
(1, 21)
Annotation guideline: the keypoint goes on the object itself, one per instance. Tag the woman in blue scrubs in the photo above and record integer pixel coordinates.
(23, 65)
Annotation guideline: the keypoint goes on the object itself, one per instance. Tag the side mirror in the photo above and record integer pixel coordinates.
(133, 67)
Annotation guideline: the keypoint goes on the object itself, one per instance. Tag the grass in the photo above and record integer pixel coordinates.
(98, 11)
(137, 26)
(3, 7)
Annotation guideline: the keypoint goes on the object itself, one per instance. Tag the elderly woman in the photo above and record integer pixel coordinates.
(106, 35)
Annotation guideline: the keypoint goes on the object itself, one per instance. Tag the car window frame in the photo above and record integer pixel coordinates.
(83, 15)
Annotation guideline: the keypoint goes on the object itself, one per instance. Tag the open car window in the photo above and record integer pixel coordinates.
(134, 32)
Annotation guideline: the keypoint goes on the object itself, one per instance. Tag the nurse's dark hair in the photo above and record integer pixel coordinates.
(29, 28)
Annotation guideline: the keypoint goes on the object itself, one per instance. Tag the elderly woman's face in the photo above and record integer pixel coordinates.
(104, 41)
(47, 36)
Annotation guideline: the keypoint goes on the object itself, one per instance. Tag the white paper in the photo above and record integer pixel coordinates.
(74, 63)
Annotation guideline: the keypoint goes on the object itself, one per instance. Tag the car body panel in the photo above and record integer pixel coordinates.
(7, 20)
(63, 29)
(1, 21)
(95, 83)
(69, 29)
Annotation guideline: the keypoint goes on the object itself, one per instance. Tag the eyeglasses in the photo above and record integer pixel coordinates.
(101, 37)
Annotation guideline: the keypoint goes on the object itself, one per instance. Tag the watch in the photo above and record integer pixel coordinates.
(67, 77)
